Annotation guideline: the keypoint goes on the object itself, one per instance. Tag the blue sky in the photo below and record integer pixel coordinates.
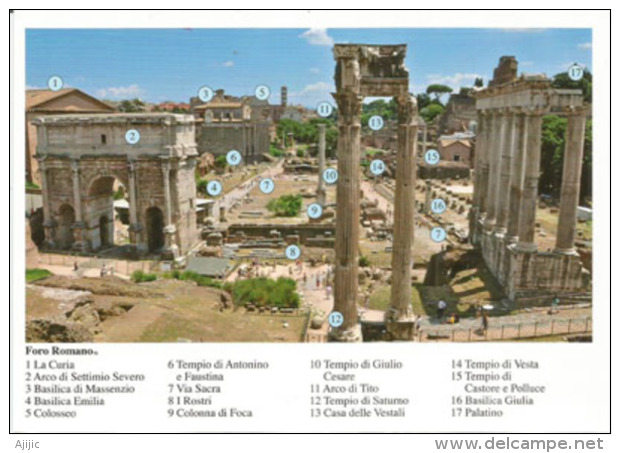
(172, 64)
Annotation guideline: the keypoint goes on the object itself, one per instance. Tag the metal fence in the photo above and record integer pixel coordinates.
(508, 331)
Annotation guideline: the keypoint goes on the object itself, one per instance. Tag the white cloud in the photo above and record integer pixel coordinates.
(584, 45)
(317, 37)
(526, 63)
(455, 81)
(313, 93)
(228, 64)
(131, 91)
(315, 70)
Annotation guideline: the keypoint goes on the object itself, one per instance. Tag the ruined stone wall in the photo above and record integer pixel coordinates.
(250, 139)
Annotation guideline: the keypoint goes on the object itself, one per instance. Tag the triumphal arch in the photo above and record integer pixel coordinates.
(373, 70)
(84, 159)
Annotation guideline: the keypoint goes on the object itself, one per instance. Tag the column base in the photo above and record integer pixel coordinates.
(568, 252)
(526, 247)
(489, 225)
(394, 315)
(351, 335)
(402, 330)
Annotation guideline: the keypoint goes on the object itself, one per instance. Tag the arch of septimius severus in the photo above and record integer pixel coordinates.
(368, 70)
(83, 158)
(507, 169)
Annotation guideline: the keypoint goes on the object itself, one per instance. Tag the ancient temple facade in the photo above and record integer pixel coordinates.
(83, 159)
(507, 169)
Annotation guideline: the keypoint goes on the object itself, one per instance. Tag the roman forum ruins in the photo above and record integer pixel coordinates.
(366, 70)
(80, 158)
(507, 168)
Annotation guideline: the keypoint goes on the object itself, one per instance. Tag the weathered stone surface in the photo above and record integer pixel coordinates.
(82, 157)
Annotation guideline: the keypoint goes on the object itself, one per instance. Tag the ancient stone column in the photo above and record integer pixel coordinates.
(347, 216)
(404, 211)
(172, 250)
(424, 142)
(134, 226)
(483, 181)
(503, 195)
(494, 150)
(516, 180)
(527, 217)
(77, 205)
(571, 180)
(320, 191)
(427, 197)
(49, 224)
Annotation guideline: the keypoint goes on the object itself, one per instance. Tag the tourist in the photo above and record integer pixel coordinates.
(328, 292)
(318, 282)
(485, 322)
(441, 308)
(418, 324)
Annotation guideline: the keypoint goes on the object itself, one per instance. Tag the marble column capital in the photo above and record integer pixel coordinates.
(349, 105)
(407, 110)
(581, 110)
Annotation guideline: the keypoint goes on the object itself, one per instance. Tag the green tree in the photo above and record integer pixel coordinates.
(423, 100)
(220, 161)
(285, 206)
(438, 90)
(431, 112)
(562, 80)
(552, 158)
(131, 106)
(478, 83)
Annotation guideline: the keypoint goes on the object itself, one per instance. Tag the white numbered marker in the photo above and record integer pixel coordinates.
(324, 109)
(438, 206)
(267, 185)
(293, 252)
(335, 319)
(132, 136)
(377, 167)
(432, 157)
(575, 72)
(55, 83)
(233, 157)
(330, 175)
(438, 234)
(262, 92)
(315, 211)
(205, 94)
(214, 188)
(376, 123)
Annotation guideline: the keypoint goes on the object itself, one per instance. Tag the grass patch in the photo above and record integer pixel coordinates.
(200, 280)
(380, 299)
(32, 275)
(141, 276)
(265, 292)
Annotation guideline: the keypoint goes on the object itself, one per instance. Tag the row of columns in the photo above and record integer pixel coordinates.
(348, 214)
(508, 172)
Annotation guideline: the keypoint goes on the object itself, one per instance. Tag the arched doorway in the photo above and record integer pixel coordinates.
(107, 208)
(155, 229)
(104, 231)
(66, 219)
